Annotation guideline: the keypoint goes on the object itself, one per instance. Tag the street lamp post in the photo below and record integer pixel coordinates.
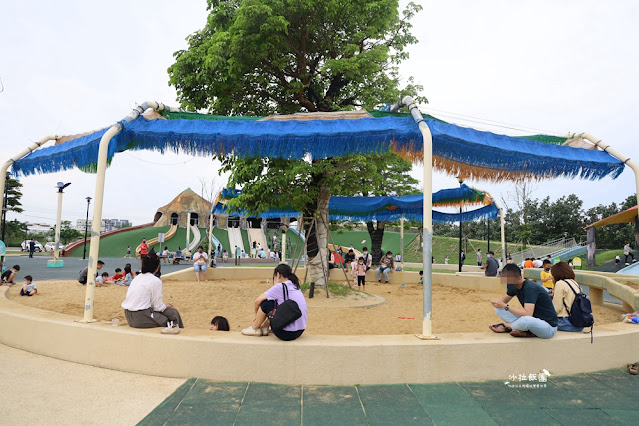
(86, 229)
(56, 262)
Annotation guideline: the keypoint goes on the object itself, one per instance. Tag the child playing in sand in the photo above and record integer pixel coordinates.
(360, 271)
(9, 275)
(219, 323)
(28, 288)
(617, 261)
(128, 276)
(102, 280)
(118, 276)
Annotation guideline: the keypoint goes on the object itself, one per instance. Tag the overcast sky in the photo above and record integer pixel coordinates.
(68, 67)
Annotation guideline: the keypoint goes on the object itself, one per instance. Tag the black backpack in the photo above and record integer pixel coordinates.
(580, 313)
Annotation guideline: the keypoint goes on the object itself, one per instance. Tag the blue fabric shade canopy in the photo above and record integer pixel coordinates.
(378, 208)
(455, 149)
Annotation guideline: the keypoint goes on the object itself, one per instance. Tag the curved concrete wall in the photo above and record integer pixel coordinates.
(315, 359)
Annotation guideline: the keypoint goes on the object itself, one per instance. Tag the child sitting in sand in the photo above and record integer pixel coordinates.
(9, 275)
(102, 280)
(28, 288)
(118, 276)
(219, 323)
(128, 276)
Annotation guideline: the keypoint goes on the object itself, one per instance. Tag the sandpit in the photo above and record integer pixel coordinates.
(455, 310)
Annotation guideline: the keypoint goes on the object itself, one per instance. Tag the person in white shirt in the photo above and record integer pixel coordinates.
(200, 260)
(143, 305)
(368, 259)
(538, 263)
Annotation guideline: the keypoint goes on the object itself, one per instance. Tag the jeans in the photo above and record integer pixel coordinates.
(566, 325)
(536, 326)
(383, 269)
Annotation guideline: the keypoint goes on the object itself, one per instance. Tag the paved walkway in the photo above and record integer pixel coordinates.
(601, 398)
(40, 390)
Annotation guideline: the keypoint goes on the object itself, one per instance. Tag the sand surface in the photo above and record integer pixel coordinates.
(454, 309)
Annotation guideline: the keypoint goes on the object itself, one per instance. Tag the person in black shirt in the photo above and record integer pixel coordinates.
(536, 318)
(9, 275)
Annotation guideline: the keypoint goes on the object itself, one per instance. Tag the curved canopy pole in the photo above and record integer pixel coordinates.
(19, 156)
(427, 312)
(99, 198)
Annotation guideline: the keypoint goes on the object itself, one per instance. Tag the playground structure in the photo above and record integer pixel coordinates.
(398, 358)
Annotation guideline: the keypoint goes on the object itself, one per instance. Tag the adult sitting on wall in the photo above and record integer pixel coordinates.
(268, 302)
(143, 306)
(564, 278)
(536, 318)
(386, 266)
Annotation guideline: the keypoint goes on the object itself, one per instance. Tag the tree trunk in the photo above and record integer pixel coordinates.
(317, 239)
(591, 246)
(377, 235)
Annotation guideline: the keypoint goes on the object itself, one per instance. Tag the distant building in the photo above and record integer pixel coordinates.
(107, 224)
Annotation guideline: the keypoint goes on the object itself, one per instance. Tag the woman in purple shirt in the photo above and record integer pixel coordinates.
(273, 297)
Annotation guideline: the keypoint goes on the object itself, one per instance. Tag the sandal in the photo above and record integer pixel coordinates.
(519, 333)
(633, 368)
(494, 328)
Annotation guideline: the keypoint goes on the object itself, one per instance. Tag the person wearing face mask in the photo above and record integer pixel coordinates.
(200, 260)
(368, 259)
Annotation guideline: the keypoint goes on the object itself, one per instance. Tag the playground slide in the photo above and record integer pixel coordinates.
(257, 235)
(167, 236)
(296, 232)
(235, 239)
(215, 242)
(196, 238)
(630, 270)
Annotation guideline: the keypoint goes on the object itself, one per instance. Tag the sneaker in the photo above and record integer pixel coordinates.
(634, 260)
(379, 281)
(171, 329)
(386, 282)
(264, 331)
(627, 263)
(250, 331)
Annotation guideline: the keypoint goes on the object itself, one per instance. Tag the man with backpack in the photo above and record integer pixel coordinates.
(536, 317)
(491, 266)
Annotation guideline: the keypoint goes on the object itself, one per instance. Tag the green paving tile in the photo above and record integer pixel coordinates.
(210, 392)
(578, 381)
(442, 394)
(166, 409)
(459, 415)
(494, 394)
(626, 417)
(273, 404)
(554, 398)
(608, 398)
(202, 414)
(616, 379)
(520, 416)
(392, 404)
(578, 417)
(332, 405)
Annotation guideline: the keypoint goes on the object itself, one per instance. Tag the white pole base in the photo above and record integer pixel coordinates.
(422, 337)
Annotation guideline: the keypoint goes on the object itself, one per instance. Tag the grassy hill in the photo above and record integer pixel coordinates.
(115, 245)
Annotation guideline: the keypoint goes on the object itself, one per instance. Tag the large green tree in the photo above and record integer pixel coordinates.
(258, 57)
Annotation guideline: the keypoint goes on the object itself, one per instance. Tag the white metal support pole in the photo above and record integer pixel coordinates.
(284, 243)
(98, 202)
(20, 155)
(427, 313)
(58, 222)
(401, 240)
(188, 229)
(618, 155)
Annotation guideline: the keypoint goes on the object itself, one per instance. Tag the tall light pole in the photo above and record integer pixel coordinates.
(86, 230)
(56, 262)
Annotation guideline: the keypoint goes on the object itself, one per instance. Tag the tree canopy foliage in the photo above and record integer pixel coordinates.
(259, 57)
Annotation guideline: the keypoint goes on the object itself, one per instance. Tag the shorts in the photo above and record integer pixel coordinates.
(24, 293)
(199, 268)
(267, 306)
(361, 279)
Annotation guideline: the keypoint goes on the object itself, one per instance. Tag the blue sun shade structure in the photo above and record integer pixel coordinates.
(456, 149)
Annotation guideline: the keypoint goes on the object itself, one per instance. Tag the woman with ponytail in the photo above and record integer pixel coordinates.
(267, 302)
